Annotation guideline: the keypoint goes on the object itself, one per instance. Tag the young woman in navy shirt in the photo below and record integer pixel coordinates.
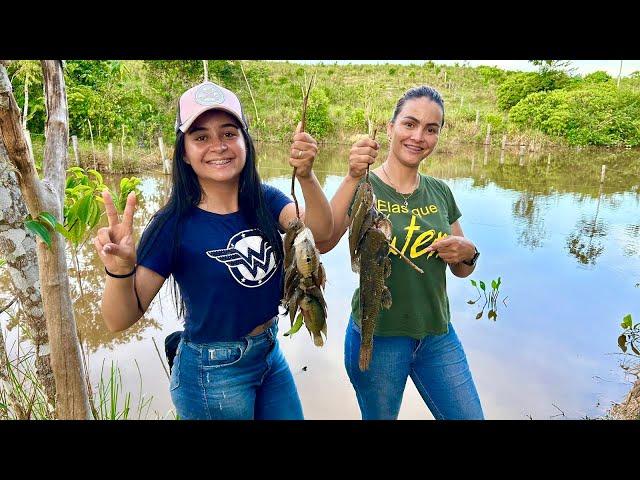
(219, 237)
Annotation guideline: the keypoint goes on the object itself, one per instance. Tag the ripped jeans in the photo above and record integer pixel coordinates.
(243, 380)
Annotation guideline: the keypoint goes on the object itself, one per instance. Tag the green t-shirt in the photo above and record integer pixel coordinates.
(420, 305)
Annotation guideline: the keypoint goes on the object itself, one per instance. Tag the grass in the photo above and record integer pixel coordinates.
(22, 396)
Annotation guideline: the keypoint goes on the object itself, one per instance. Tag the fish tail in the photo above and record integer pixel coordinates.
(365, 357)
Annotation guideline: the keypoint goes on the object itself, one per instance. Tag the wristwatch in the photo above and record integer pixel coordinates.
(473, 260)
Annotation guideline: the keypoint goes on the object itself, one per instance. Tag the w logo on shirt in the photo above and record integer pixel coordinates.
(249, 258)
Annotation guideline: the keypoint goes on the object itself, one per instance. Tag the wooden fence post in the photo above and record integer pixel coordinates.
(165, 161)
(487, 139)
(93, 147)
(74, 142)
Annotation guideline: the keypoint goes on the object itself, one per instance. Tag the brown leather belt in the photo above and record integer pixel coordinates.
(261, 328)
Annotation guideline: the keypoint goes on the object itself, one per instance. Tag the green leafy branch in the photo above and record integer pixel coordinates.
(491, 299)
(82, 209)
(42, 226)
(127, 185)
(630, 336)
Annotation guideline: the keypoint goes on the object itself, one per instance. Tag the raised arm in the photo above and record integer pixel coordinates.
(116, 249)
(317, 214)
(363, 153)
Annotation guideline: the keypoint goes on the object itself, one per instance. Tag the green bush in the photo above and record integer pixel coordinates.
(519, 85)
(491, 74)
(356, 120)
(496, 122)
(318, 119)
(595, 114)
(598, 77)
(515, 88)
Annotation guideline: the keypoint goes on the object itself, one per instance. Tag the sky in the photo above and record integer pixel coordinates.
(583, 67)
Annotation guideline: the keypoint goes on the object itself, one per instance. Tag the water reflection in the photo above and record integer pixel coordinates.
(528, 211)
(535, 218)
(585, 243)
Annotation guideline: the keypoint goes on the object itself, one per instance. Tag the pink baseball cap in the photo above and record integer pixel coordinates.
(204, 97)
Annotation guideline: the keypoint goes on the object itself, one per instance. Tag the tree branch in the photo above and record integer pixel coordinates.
(57, 130)
(12, 136)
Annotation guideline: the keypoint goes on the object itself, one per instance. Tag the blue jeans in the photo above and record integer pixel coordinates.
(243, 380)
(437, 365)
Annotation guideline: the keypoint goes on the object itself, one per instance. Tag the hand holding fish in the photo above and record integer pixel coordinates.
(363, 153)
(453, 249)
(304, 150)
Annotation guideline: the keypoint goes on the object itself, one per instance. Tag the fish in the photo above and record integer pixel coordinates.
(369, 235)
(360, 220)
(305, 279)
(375, 267)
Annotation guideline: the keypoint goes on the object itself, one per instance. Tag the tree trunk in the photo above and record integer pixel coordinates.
(26, 102)
(18, 248)
(48, 195)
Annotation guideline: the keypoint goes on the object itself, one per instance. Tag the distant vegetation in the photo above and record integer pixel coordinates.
(133, 102)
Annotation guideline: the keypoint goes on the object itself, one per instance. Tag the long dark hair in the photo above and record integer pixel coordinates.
(419, 92)
(186, 193)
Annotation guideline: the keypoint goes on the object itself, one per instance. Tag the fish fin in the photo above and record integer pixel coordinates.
(385, 298)
(295, 327)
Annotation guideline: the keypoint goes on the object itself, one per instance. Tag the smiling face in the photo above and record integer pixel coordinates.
(215, 148)
(415, 131)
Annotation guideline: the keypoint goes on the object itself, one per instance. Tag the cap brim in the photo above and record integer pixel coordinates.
(185, 126)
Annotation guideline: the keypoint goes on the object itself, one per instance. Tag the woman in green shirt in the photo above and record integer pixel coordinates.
(414, 337)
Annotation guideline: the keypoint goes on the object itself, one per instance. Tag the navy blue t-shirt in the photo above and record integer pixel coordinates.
(225, 270)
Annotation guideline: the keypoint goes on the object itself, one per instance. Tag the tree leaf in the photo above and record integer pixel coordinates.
(622, 342)
(471, 302)
(39, 230)
(494, 284)
(48, 219)
(473, 282)
(635, 350)
(479, 315)
(63, 231)
(84, 209)
(627, 322)
(99, 180)
(96, 214)
(482, 286)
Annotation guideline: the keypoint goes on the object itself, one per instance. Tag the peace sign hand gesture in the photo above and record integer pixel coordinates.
(114, 243)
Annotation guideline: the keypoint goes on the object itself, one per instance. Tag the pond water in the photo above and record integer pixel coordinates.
(566, 247)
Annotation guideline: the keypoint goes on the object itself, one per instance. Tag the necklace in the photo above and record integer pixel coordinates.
(404, 195)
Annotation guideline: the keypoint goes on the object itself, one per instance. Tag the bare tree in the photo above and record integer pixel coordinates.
(18, 248)
(47, 195)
